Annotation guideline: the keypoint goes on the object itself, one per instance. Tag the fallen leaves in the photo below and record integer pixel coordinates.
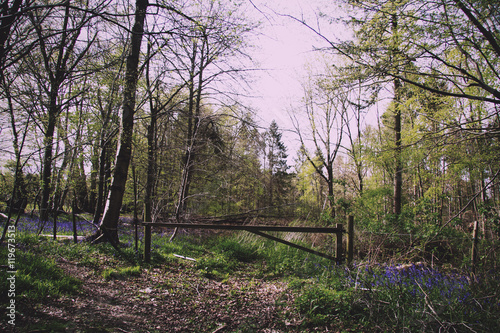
(166, 300)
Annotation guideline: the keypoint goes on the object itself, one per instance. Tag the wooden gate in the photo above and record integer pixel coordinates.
(261, 229)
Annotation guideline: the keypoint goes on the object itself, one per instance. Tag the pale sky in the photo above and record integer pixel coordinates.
(284, 50)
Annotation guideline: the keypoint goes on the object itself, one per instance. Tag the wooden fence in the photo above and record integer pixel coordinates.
(260, 230)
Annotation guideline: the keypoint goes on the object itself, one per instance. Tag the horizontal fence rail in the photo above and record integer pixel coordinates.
(323, 230)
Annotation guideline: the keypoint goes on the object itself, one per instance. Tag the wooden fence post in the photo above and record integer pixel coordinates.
(147, 243)
(350, 239)
(339, 253)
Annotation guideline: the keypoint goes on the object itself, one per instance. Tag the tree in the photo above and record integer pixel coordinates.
(203, 54)
(109, 224)
(18, 199)
(447, 48)
(161, 105)
(11, 17)
(106, 103)
(240, 182)
(277, 165)
(61, 54)
(397, 101)
(325, 108)
(382, 31)
(360, 98)
(309, 185)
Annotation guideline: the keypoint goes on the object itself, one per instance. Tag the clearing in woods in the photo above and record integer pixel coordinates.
(167, 296)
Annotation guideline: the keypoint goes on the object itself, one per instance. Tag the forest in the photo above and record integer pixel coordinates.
(121, 112)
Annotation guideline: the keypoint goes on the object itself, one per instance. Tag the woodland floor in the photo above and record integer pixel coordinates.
(170, 298)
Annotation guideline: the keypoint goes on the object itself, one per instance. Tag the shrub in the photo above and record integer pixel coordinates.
(398, 298)
(321, 305)
(425, 299)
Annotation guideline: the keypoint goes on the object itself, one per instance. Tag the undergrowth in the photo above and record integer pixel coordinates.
(364, 297)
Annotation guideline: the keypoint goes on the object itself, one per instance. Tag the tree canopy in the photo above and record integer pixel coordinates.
(138, 108)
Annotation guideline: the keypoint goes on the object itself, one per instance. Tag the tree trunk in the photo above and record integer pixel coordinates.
(57, 59)
(47, 157)
(331, 195)
(398, 174)
(93, 180)
(102, 179)
(82, 193)
(148, 200)
(151, 136)
(109, 224)
(8, 16)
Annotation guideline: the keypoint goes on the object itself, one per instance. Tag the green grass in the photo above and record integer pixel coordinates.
(362, 298)
(321, 305)
(121, 273)
(37, 277)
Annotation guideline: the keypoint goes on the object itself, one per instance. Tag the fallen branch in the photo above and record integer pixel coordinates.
(429, 305)
(183, 257)
(220, 328)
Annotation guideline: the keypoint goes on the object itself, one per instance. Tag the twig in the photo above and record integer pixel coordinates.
(220, 328)
(122, 330)
(97, 239)
(468, 327)
(383, 302)
(429, 305)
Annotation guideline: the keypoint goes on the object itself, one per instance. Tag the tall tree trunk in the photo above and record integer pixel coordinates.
(19, 195)
(109, 224)
(148, 200)
(103, 158)
(56, 60)
(18, 173)
(47, 156)
(82, 193)
(331, 195)
(191, 160)
(195, 96)
(93, 180)
(398, 174)
(151, 136)
(193, 119)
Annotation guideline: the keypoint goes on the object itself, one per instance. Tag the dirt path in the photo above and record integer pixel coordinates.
(173, 299)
